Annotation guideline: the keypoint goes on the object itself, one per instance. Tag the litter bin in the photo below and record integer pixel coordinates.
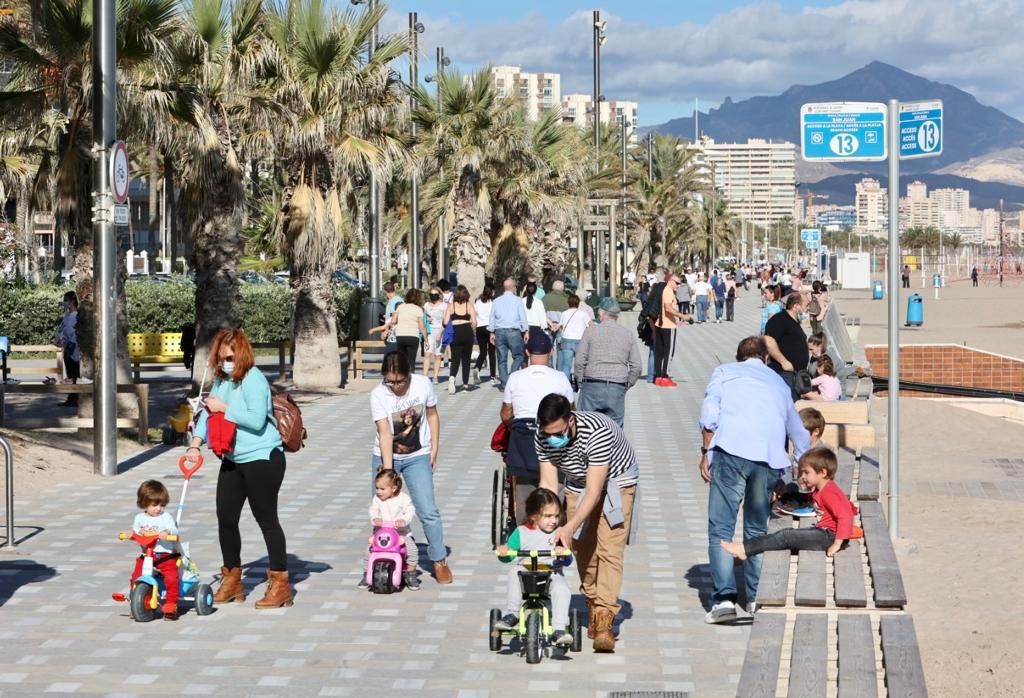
(370, 315)
(877, 291)
(915, 311)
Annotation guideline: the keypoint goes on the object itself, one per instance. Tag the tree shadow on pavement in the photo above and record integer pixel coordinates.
(18, 573)
(254, 573)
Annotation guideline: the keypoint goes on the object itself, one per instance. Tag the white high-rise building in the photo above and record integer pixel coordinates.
(917, 209)
(872, 204)
(536, 91)
(951, 207)
(757, 177)
(578, 109)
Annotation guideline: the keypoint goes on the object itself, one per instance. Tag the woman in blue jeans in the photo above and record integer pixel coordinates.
(404, 411)
(570, 326)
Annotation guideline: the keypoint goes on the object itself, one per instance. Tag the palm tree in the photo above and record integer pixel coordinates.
(220, 82)
(51, 45)
(465, 132)
(343, 106)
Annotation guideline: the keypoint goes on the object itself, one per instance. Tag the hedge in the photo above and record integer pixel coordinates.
(29, 315)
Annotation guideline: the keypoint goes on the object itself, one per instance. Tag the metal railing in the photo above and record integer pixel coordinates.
(9, 480)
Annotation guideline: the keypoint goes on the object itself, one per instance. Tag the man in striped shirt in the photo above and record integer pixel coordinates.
(601, 474)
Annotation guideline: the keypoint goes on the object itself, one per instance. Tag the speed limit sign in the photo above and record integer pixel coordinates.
(119, 175)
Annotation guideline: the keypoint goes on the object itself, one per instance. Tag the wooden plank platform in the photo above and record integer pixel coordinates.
(857, 678)
(901, 656)
(774, 583)
(810, 574)
(869, 478)
(808, 675)
(764, 653)
(848, 577)
(885, 571)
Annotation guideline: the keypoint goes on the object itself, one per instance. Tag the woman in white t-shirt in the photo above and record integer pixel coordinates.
(404, 411)
(536, 316)
(570, 327)
(485, 350)
(435, 309)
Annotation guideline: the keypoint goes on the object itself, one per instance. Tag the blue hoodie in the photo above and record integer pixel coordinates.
(249, 407)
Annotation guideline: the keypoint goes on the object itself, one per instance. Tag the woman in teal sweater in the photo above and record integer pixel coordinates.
(251, 469)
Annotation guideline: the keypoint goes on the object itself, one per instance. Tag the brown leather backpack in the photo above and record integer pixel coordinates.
(289, 422)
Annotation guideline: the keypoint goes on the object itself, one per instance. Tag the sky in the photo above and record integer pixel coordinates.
(664, 54)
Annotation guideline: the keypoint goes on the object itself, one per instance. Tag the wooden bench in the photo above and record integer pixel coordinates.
(160, 348)
(367, 354)
(57, 370)
(848, 422)
(855, 642)
(140, 424)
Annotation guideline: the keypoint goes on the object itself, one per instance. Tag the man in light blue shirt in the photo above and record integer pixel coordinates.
(746, 417)
(508, 330)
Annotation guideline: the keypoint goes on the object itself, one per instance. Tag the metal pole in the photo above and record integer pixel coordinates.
(597, 90)
(894, 319)
(415, 249)
(104, 133)
(9, 480)
(442, 230)
(613, 262)
(375, 191)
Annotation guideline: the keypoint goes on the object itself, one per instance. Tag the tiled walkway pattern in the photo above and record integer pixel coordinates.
(61, 633)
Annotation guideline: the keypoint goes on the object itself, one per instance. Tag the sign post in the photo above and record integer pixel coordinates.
(872, 131)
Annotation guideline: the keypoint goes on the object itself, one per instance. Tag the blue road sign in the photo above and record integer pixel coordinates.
(810, 235)
(843, 131)
(812, 244)
(920, 129)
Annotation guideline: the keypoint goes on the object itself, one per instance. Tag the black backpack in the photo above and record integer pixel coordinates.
(652, 308)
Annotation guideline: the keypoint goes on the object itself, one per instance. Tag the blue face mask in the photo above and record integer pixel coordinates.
(558, 440)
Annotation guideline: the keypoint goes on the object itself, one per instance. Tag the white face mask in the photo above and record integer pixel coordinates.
(228, 367)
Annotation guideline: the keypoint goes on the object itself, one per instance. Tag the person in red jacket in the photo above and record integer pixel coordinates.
(835, 513)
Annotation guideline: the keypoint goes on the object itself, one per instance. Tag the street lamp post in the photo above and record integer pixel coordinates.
(415, 243)
(599, 26)
(442, 233)
(104, 133)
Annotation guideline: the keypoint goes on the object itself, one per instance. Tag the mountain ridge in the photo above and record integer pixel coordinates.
(973, 133)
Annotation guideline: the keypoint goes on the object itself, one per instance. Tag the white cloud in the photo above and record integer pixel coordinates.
(755, 49)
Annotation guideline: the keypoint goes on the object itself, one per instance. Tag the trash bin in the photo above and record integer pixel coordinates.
(915, 311)
(370, 315)
(937, 280)
(877, 292)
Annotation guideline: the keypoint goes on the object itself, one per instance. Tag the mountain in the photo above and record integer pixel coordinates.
(840, 189)
(979, 141)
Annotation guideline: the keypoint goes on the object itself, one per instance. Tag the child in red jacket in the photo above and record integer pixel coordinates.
(835, 513)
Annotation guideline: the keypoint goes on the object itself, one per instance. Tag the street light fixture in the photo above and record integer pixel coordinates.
(415, 243)
(599, 26)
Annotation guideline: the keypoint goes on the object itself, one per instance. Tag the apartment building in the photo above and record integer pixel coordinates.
(872, 204)
(578, 109)
(758, 177)
(536, 91)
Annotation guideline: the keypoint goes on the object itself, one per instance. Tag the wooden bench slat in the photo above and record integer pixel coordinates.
(848, 576)
(857, 677)
(901, 656)
(885, 571)
(810, 574)
(869, 482)
(764, 652)
(844, 476)
(774, 582)
(808, 674)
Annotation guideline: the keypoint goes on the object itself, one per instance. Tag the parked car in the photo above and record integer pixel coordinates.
(343, 277)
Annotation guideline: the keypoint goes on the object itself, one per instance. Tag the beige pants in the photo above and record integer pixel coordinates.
(600, 550)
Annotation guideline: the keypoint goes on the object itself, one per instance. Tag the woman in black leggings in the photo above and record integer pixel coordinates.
(486, 350)
(408, 323)
(462, 315)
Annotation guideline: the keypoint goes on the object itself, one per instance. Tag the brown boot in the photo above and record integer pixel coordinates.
(231, 588)
(279, 592)
(604, 641)
(442, 573)
(591, 630)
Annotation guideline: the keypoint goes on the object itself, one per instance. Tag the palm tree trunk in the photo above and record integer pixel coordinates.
(316, 365)
(469, 241)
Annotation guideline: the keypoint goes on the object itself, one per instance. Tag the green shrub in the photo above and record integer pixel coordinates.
(29, 315)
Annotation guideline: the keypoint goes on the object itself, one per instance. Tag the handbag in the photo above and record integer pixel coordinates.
(499, 439)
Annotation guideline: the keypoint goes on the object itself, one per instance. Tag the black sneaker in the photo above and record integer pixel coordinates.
(509, 622)
(560, 638)
(412, 581)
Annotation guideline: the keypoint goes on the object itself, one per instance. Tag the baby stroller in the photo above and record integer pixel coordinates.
(503, 519)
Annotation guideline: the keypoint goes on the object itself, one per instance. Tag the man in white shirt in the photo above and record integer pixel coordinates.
(523, 392)
(691, 278)
(701, 292)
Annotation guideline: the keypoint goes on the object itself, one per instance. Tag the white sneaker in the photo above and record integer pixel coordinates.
(451, 386)
(721, 612)
(494, 381)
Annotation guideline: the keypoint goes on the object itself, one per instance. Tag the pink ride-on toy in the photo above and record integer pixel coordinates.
(387, 559)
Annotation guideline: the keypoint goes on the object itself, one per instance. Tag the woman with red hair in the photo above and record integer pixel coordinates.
(252, 464)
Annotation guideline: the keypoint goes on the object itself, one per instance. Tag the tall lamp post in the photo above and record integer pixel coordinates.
(599, 27)
(104, 133)
(415, 242)
(373, 305)
(442, 233)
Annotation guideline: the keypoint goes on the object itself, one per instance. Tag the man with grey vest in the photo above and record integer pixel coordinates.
(607, 364)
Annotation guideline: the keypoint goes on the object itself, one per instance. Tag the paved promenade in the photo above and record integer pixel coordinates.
(60, 632)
